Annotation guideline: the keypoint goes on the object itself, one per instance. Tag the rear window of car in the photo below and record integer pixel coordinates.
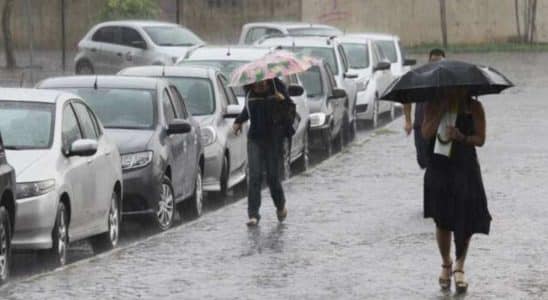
(121, 108)
(327, 54)
(357, 54)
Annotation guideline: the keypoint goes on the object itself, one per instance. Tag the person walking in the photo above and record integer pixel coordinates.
(267, 108)
(454, 194)
(415, 125)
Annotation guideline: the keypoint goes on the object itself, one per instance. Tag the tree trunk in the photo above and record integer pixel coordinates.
(8, 39)
(533, 21)
(518, 25)
(443, 16)
(526, 21)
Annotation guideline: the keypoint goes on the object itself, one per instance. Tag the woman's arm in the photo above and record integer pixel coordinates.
(433, 112)
(478, 139)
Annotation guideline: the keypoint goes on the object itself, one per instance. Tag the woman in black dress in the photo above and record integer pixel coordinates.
(454, 195)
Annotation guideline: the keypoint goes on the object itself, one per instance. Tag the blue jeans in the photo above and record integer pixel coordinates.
(264, 155)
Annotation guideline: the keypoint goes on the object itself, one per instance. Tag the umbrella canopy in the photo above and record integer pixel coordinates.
(270, 66)
(425, 83)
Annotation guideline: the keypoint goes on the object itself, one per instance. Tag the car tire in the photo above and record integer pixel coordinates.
(286, 159)
(165, 210)
(84, 67)
(304, 161)
(225, 174)
(193, 206)
(376, 113)
(57, 255)
(5, 245)
(108, 240)
(327, 142)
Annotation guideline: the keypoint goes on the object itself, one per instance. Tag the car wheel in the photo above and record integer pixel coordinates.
(304, 160)
(165, 209)
(327, 142)
(57, 255)
(5, 245)
(194, 205)
(376, 113)
(224, 177)
(286, 159)
(108, 240)
(84, 67)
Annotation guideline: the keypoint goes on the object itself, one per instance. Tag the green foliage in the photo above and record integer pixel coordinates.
(129, 9)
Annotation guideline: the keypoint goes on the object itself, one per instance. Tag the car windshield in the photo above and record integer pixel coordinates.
(198, 93)
(225, 66)
(312, 82)
(357, 54)
(325, 53)
(314, 31)
(389, 50)
(121, 108)
(27, 125)
(172, 36)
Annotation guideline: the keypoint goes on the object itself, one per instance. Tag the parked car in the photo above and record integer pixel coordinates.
(374, 75)
(331, 51)
(391, 50)
(252, 32)
(328, 107)
(68, 174)
(210, 101)
(227, 59)
(7, 212)
(162, 156)
(111, 46)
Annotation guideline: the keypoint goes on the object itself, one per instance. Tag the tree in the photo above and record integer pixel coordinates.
(6, 29)
(127, 9)
(443, 22)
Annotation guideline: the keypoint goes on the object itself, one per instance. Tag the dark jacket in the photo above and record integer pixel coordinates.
(268, 116)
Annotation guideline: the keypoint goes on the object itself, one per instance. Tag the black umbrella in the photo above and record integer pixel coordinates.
(425, 83)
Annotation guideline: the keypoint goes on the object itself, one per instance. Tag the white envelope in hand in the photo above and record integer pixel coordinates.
(443, 143)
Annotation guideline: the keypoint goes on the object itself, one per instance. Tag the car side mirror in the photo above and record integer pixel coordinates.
(139, 44)
(338, 93)
(233, 111)
(178, 126)
(350, 75)
(409, 62)
(382, 66)
(295, 90)
(83, 147)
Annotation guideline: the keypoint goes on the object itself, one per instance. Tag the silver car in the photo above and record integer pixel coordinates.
(213, 105)
(68, 173)
(227, 59)
(111, 46)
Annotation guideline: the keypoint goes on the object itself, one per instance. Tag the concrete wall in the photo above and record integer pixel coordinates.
(220, 21)
(418, 21)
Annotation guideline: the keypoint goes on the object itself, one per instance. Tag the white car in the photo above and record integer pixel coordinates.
(111, 46)
(391, 50)
(330, 51)
(68, 173)
(227, 59)
(252, 32)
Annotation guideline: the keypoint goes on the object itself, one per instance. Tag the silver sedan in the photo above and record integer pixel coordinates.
(68, 173)
(214, 106)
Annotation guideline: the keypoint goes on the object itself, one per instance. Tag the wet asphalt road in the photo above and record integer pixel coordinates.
(355, 228)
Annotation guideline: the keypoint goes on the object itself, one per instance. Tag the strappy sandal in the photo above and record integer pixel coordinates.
(445, 283)
(461, 286)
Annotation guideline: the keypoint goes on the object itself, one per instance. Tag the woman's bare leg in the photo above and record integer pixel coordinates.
(444, 244)
(460, 261)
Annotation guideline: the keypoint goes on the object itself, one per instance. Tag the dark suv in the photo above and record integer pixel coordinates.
(7, 212)
(159, 141)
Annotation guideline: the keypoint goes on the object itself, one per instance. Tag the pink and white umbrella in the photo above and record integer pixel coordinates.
(270, 66)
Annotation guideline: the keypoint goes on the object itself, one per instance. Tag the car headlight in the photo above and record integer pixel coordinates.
(33, 189)
(208, 135)
(317, 119)
(136, 160)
